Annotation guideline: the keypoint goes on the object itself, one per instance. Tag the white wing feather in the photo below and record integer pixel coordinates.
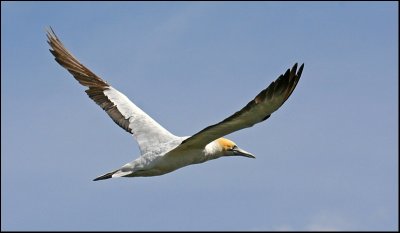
(148, 133)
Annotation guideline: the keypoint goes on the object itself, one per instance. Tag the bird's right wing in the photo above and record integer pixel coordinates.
(257, 110)
(126, 114)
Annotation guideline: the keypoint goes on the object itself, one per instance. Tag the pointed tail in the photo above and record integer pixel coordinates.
(113, 174)
(106, 176)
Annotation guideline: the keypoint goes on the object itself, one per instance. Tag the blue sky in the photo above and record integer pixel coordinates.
(326, 160)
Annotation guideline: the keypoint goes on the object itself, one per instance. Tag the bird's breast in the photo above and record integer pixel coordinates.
(171, 162)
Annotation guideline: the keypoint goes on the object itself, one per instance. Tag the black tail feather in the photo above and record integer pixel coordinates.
(105, 176)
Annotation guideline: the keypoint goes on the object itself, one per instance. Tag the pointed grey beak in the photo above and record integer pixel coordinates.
(244, 153)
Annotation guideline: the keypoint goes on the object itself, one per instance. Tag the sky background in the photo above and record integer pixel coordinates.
(326, 160)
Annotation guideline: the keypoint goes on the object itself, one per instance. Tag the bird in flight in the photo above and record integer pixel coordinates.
(161, 151)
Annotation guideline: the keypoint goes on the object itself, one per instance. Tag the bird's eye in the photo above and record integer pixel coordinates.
(234, 147)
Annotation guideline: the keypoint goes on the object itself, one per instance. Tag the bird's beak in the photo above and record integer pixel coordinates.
(244, 153)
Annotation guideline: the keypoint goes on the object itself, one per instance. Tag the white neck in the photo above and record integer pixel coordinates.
(213, 150)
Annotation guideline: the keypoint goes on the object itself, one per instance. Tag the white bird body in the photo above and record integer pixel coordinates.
(155, 163)
(161, 151)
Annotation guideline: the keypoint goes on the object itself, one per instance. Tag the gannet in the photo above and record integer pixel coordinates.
(162, 152)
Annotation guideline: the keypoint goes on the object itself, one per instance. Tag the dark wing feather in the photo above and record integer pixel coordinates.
(87, 78)
(257, 110)
(122, 111)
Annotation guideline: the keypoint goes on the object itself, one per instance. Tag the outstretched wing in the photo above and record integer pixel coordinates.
(126, 114)
(257, 110)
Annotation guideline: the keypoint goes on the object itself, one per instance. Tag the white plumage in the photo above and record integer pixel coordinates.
(161, 151)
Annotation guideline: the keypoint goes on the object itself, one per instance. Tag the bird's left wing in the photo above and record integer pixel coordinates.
(257, 110)
(122, 111)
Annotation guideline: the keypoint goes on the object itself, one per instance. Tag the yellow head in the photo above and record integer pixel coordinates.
(230, 148)
(225, 144)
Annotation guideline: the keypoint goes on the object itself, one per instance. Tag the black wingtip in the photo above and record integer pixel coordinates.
(294, 66)
(300, 70)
